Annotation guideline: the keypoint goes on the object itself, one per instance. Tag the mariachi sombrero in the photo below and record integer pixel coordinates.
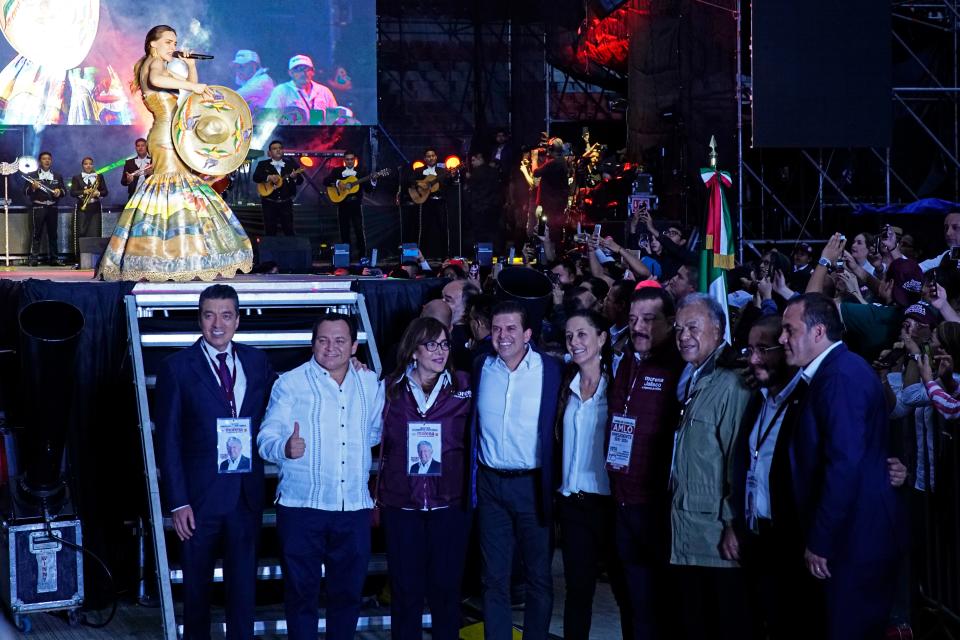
(212, 136)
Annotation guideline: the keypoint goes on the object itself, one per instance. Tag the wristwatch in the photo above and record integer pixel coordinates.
(823, 262)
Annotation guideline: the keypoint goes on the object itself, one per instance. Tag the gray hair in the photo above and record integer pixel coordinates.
(710, 304)
(234, 439)
(424, 442)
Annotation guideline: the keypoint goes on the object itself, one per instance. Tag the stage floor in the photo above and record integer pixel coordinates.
(69, 274)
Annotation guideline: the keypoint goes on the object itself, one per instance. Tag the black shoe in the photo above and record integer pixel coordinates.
(33, 262)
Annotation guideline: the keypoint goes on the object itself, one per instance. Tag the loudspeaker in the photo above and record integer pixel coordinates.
(291, 254)
(341, 255)
(822, 73)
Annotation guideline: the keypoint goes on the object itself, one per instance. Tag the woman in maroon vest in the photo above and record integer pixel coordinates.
(423, 484)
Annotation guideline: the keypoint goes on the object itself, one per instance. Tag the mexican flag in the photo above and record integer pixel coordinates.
(717, 255)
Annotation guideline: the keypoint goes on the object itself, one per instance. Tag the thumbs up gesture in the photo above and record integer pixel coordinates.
(296, 445)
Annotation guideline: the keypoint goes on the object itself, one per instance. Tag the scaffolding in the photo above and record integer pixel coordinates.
(926, 108)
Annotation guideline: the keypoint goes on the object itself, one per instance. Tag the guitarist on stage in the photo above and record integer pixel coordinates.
(350, 210)
(278, 172)
(428, 211)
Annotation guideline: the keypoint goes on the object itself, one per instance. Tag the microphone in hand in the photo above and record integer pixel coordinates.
(192, 56)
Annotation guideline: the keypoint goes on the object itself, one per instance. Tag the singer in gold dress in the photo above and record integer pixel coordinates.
(175, 227)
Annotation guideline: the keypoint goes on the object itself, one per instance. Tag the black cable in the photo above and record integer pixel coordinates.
(106, 570)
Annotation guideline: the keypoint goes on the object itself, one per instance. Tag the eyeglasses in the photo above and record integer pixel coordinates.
(673, 233)
(748, 352)
(433, 345)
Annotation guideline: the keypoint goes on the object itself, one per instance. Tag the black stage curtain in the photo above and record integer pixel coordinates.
(103, 447)
(392, 304)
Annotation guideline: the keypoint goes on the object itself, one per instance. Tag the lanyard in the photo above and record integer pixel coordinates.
(764, 433)
(306, 101)
(634, 374)
(231, 378)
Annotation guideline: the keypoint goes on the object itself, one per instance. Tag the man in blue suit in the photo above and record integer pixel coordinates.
(214, 387)
(839, 495)
(513, 480)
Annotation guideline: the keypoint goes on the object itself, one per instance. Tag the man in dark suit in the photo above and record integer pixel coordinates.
(137, 168)
(834, 472)
(350, 211)
(278, 206)
(88, 221)
(513, 476)
(484, 193)
(426, 465)
(45, 188)
(215, 386)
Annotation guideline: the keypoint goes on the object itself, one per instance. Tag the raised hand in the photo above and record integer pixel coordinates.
(296, 446)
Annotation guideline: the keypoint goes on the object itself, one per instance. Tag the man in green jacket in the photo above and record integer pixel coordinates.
(702, 474)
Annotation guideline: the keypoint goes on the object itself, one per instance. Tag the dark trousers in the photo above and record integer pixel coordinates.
(350, 214)
(277, 215)
(44, 218)
(311, 540)
(787, 601)
(86, 224)
(428, 227)
(426, 551)
(712, 603)
(642, 542)
(507, 515)
(859, 599)
(586, 529)
(236, 533)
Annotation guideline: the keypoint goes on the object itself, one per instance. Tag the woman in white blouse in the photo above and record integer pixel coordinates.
(585, 507)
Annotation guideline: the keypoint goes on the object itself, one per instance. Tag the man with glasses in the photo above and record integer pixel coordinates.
(644, 410)
(773, 575)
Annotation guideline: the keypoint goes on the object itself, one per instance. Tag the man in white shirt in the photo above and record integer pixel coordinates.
(322, 420)
(253, 82)
(298, 98)
(516, 393)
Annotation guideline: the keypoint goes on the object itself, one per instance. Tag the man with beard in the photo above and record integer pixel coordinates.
(644, 410)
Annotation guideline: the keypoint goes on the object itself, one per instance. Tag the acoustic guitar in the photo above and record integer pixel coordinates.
(266, 188)
(351, 185)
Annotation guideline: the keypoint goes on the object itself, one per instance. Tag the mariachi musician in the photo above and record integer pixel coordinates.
(427, 214)
(350, 209)
(280, 177)
(137, 168)
(89, 188)
(44, 188)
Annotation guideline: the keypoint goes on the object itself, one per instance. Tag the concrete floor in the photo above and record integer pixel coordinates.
(138, 623)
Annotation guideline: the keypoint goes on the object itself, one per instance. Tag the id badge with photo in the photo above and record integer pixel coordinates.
(234, 445)
(621, 443)
(424, 448)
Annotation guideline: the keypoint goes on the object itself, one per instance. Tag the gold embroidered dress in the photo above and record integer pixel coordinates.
(175, 227)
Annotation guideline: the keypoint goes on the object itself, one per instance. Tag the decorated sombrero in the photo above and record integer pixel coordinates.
(212, 136)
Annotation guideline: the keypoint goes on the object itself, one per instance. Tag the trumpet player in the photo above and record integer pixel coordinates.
(44, 188)
(89, 188)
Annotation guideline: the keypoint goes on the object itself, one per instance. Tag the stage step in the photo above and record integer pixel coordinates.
(270, 621)
(270, 569)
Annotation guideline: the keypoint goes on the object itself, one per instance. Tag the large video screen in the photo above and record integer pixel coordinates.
(299, 62)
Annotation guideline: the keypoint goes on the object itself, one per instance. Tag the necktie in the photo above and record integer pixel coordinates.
(226, 381)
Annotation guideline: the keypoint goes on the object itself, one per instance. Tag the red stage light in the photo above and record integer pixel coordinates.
(417, 164)
(306, 161)
(451, 162)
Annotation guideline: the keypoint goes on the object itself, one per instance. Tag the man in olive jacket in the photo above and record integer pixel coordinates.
(702, 474)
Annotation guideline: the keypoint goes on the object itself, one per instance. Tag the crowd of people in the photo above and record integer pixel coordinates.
(753, 489)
